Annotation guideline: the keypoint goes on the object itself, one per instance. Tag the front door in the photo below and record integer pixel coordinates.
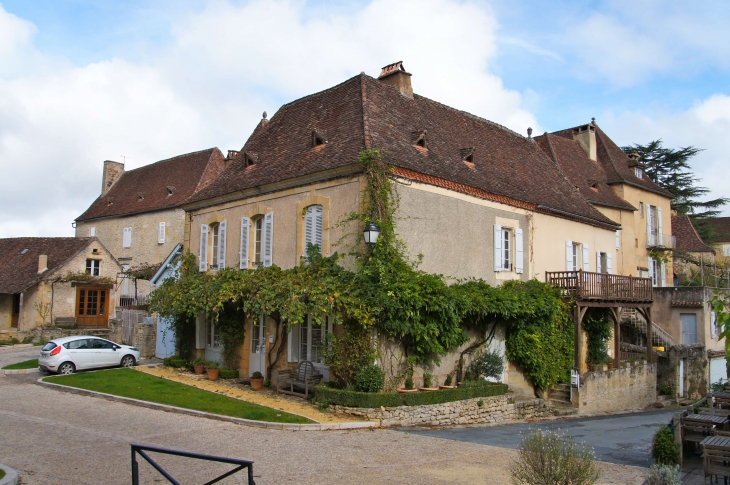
(213, 347)
(16, 311)
(92, 306)
(165, 346)
(257, 358)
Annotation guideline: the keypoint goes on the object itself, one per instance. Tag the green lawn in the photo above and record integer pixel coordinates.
(26, 364)
(138, 385)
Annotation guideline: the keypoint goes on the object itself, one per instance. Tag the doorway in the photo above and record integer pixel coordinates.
(213, 347)
(92, 306)
(16, 311)
(257, 356)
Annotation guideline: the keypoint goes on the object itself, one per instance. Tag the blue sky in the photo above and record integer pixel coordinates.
(84, 81)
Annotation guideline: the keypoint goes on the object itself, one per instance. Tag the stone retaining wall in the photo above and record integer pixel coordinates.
(496, 409)
(617, 390)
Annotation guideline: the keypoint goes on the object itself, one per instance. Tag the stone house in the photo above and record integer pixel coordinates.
(477, 200)
(54, 280)
(692, 256)
(138, 215)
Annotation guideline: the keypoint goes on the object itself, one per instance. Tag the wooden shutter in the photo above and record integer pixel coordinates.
(519, 252)
(569, 256)
(317, 226)
(651, 269)
(586, 258)
(497, 247)
(245, 230)
(618, 239)
(127, 237)
(222, 245)
(648, 225)
(294, 336)
(659, 236)
(663, 274)
(203, 261)
(598, 262)
(609, 269)
(200, 331)
(267, 244)
(308, 230)
(161, 233)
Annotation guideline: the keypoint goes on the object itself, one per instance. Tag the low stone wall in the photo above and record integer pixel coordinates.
(53, 333)
(617, 390)
(496, 409)
(144, 335)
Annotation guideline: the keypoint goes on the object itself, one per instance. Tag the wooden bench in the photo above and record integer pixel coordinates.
(303, 376)
(695, 431)
(716, 458)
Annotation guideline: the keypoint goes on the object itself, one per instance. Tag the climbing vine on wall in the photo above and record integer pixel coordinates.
(597, 324)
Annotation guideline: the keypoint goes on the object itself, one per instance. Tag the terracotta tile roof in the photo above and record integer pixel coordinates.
(363, 112)
(161, 185)
(721, 226)
(19, 269)
(617, 165)
(587, 175)
(687, 237)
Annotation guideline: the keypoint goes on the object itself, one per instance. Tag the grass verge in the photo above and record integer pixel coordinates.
(26, 364)
(2, 474)
(137, 385)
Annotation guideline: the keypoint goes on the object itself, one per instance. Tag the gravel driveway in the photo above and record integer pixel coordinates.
(53, 437)
(11, 355)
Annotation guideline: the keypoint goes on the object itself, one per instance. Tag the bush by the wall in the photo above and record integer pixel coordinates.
(355, 399)
(664, 475)
(228, 374)
(369, 378)
(176, 362)
(664, 450)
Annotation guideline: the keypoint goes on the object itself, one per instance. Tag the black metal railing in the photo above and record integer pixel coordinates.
(140, 449)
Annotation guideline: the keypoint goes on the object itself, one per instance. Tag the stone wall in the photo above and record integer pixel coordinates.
(144, 335)
(623, 389)
(496, 409)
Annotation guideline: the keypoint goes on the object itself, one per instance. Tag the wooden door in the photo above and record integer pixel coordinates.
(16, 311)
(92, 305)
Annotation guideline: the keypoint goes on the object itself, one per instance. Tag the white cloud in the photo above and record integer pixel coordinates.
(208, 85)
(706, 125)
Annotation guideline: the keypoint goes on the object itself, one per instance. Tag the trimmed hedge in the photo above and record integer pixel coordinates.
(328, 395)
(228, 374)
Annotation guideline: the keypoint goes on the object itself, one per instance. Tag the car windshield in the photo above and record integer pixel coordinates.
(49, 346)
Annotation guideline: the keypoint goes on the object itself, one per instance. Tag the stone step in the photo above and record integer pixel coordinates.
(559, 395)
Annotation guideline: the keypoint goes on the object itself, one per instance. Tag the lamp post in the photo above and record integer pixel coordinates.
(371, 233)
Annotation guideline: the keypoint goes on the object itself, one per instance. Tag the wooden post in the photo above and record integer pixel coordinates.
(649, 338)
(617, 342)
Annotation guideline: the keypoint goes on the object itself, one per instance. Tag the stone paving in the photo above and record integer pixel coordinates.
(57, 438)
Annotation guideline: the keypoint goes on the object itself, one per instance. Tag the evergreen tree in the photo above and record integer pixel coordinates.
(670, 169)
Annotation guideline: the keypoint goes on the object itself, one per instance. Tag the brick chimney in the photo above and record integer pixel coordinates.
(395, 75)
(112, 171)
(586, 137)
(42, 263)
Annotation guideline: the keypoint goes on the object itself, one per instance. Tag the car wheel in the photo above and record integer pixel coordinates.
(127, 361)
(66, 368)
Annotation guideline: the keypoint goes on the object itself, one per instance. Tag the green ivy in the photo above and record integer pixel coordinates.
(597, 325)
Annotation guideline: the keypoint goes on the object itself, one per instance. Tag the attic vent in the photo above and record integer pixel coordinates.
(419, 138)
(467, 154)
(109, 200)
(140, 196)
(318, 138)
(594, 185)
(24, 251)
(250, 158)
(170, 190)
(95, 251)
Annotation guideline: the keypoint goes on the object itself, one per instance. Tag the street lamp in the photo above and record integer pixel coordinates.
(371, 233)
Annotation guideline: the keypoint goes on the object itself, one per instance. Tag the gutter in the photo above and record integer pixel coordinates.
(661, 192)
(615, 227)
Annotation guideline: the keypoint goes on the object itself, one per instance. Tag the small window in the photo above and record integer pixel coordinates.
(250, 158)
(170, 190)
(127, 237)
(577, 256)
(641, 209)
(92, 231)
(318, 138)
(258, 225)
(506, 259)
(467, 155)
(214, 231)
(313, 227)
(638, 172)
(161, 233)
(419, 138)
(93, 267)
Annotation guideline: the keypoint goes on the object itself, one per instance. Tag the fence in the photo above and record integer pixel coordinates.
(132, 300)
(585, 285)
(129, 318)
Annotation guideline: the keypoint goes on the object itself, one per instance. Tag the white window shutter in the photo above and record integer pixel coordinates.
(497, 247)
(203, 262)
(245, 230)
(308, 230)
(648, 225)
(222, 244)
(92, 231)
(663, 274)
(200, 331)
(569, 256)
(317, 236)
(294, 342)
(598, 262)
(618, 239)
(267, 242)
(519, 252)
(161, 233)
(651, 268)
(127, 237)
(586, 258)
(659, 235)
(609, 269)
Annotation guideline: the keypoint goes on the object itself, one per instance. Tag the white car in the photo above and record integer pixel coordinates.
(68, 354)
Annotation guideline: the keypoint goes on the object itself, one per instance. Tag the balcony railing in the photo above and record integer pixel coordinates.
(655, 240)
(584, 285)
(128, 301)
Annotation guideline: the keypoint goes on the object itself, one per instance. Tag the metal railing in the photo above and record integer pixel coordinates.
(659, 336)
(141, 451)
(584, 285)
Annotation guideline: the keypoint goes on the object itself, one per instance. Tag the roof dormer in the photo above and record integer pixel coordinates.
(418, 138)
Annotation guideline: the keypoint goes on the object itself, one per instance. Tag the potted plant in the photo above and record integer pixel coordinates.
(610, 363)
(408, 387)
(211, 368)
(199, 366)
(257, 381)
(448, 383)
(427, 381)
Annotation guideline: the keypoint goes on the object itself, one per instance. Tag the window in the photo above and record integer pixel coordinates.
(93, 267)
(689, 327)
(258, 228)
(212, 246)
(638, 172)
(618, 239)
(212, 335)
(127, 237)
(641, 209)
(576, 256)
(653, 225)
(713, 325)
(656, 271)
(313, 228)
(214, 229)
(508, 251)
(161, 233)
(263, 233)
(92, 231)
(306, 339)
(506, 255)
(726, 249)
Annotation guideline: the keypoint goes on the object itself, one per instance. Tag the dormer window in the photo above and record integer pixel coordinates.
(318, 138)
(467, 155)
(419, 138)
(170, 190)
(638, 172)
(109, 200)
(250, 158)
(140, 196)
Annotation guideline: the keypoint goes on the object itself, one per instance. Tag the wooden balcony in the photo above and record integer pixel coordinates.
(600, 287)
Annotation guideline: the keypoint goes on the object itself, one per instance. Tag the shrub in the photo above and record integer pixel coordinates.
(350, 398)
(211, 364)
(552, 458)
(369, 378)
(28, 339)
(666, 389)
(448, 380)
(664, 475)
(228, 374)
(257, 375)
(489, 364)
(427, 378)
(664, 450)
(175, 362)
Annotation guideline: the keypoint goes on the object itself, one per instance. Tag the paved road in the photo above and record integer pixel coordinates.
(52, 437)
(624, 439)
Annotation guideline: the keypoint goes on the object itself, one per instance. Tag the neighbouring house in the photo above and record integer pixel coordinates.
(138, 215)
(48, 281)
(476, 200)
(721, 229)
(693, 259)
(165, 333)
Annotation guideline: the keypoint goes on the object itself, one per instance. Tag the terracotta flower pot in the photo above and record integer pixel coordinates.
(403, 389)
(447, 387)
(257, 384)
(610, 366)
(213, 374)
(428, 388)
(199, 369)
